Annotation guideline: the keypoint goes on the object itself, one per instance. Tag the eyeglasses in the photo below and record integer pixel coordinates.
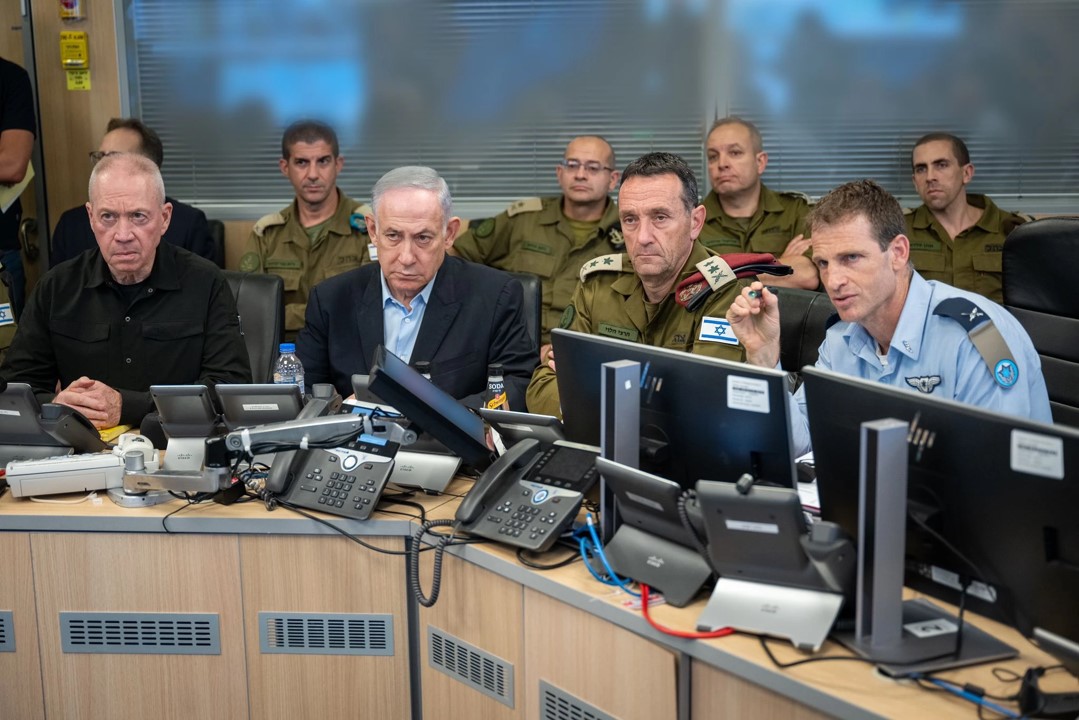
(96, 155)
(591, 167)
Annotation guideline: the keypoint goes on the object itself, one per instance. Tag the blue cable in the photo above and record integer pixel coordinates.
(596, 547)
(971, 697)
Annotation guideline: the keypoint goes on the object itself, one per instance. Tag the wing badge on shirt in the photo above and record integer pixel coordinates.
(925, 383)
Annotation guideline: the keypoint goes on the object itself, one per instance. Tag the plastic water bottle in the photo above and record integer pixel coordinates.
(288, 370)
(495, 397)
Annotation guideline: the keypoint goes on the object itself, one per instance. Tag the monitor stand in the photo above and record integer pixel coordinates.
(902, 637)
(804, 616)
(675, 570)
(620, 431)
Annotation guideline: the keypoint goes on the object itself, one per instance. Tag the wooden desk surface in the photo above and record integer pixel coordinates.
(852, 689)
(177, 516)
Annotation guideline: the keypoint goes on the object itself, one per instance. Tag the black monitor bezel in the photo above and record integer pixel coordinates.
(998, 516)
(579, 357)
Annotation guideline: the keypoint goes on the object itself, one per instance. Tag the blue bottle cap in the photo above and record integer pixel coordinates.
(288, 348)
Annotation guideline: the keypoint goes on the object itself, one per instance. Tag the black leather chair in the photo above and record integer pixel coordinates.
(1039, 265)
(217, 239)
(533, 304)
(803, 316)
(260, 300)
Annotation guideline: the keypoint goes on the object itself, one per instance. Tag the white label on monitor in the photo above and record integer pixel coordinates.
(931, 628)
(258, 407)
(13, 413)
(1037, 454)
(744, 393)
(950, 579)
(754, 527)
(647, 502)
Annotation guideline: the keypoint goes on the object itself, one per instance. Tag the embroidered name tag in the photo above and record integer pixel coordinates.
(621, 333)
(715, 329)
(537, 247)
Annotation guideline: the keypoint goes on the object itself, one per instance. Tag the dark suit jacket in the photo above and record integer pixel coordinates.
(474, 318)
(188, 229)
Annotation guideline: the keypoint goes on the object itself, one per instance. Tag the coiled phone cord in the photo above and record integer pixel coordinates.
(414, 560)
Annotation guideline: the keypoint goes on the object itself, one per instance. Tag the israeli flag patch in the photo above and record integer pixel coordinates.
(6, 316)
(715, 329)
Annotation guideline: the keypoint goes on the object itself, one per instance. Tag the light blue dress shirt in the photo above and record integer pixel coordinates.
(935, 355)
(401, 327)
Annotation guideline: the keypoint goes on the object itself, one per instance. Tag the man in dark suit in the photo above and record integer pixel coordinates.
(188, 228)
(419, 303)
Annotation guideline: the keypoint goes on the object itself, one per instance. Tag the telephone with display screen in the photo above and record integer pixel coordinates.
(530, 494)
(346, 481)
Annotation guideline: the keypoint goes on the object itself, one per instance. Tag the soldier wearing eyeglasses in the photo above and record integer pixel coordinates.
(552, 237)
(188, 229)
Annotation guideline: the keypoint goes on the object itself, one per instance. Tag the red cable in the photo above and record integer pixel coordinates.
(721, 632)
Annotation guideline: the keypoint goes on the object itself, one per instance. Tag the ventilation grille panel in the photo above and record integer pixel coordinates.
(557, 704)
(7, 631)
(140, 633)
(481, 671)
(325, 633)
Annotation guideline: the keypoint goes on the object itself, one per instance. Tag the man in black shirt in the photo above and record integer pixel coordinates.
(108, 325)
(188, 227)
(17, 130)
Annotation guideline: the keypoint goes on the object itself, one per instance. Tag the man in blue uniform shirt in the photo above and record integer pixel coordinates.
(896, 327)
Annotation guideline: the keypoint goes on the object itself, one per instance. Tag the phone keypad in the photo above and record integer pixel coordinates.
(325, 486)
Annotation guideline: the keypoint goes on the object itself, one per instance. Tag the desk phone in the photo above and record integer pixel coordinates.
(530, 494)
(345, 481)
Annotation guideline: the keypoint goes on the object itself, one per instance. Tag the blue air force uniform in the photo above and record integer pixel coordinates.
(932, 352)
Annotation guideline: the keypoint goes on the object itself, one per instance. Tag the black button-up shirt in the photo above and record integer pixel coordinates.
(181, 328)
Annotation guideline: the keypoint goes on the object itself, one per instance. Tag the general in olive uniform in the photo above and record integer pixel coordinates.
(304, 257)
(780, 216)
(610, 300)
(552, 237)
(534, 236)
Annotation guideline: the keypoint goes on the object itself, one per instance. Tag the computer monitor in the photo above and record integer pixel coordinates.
(1002, 490)
(701, 418)
(248, 405)
(430, 408)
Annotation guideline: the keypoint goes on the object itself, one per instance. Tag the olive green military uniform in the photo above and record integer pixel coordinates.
(610, 301)
(972, 260)
(279, 244)
(780, 217)
(534, 236)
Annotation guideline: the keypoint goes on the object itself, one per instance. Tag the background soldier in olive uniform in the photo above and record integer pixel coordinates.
(552, 237)
(639, 296)
(955, 237)
(743, 215)
(321, 234)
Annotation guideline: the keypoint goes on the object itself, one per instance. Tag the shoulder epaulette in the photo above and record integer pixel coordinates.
(603, 263)
(274, 218)
(986, 337)
(796, 194)
(532, 204)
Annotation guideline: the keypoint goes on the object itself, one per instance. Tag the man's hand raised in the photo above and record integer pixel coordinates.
(754, 318)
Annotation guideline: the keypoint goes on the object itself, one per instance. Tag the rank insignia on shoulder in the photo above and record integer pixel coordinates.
(532, 204)
(985, 335)
(266, 221)
(603, 262)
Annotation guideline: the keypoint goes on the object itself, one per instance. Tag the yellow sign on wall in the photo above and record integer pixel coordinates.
(74, 50)
(78, 79)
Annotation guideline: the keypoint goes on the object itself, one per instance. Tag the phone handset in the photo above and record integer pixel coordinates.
(324, 400)
(490, 486)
